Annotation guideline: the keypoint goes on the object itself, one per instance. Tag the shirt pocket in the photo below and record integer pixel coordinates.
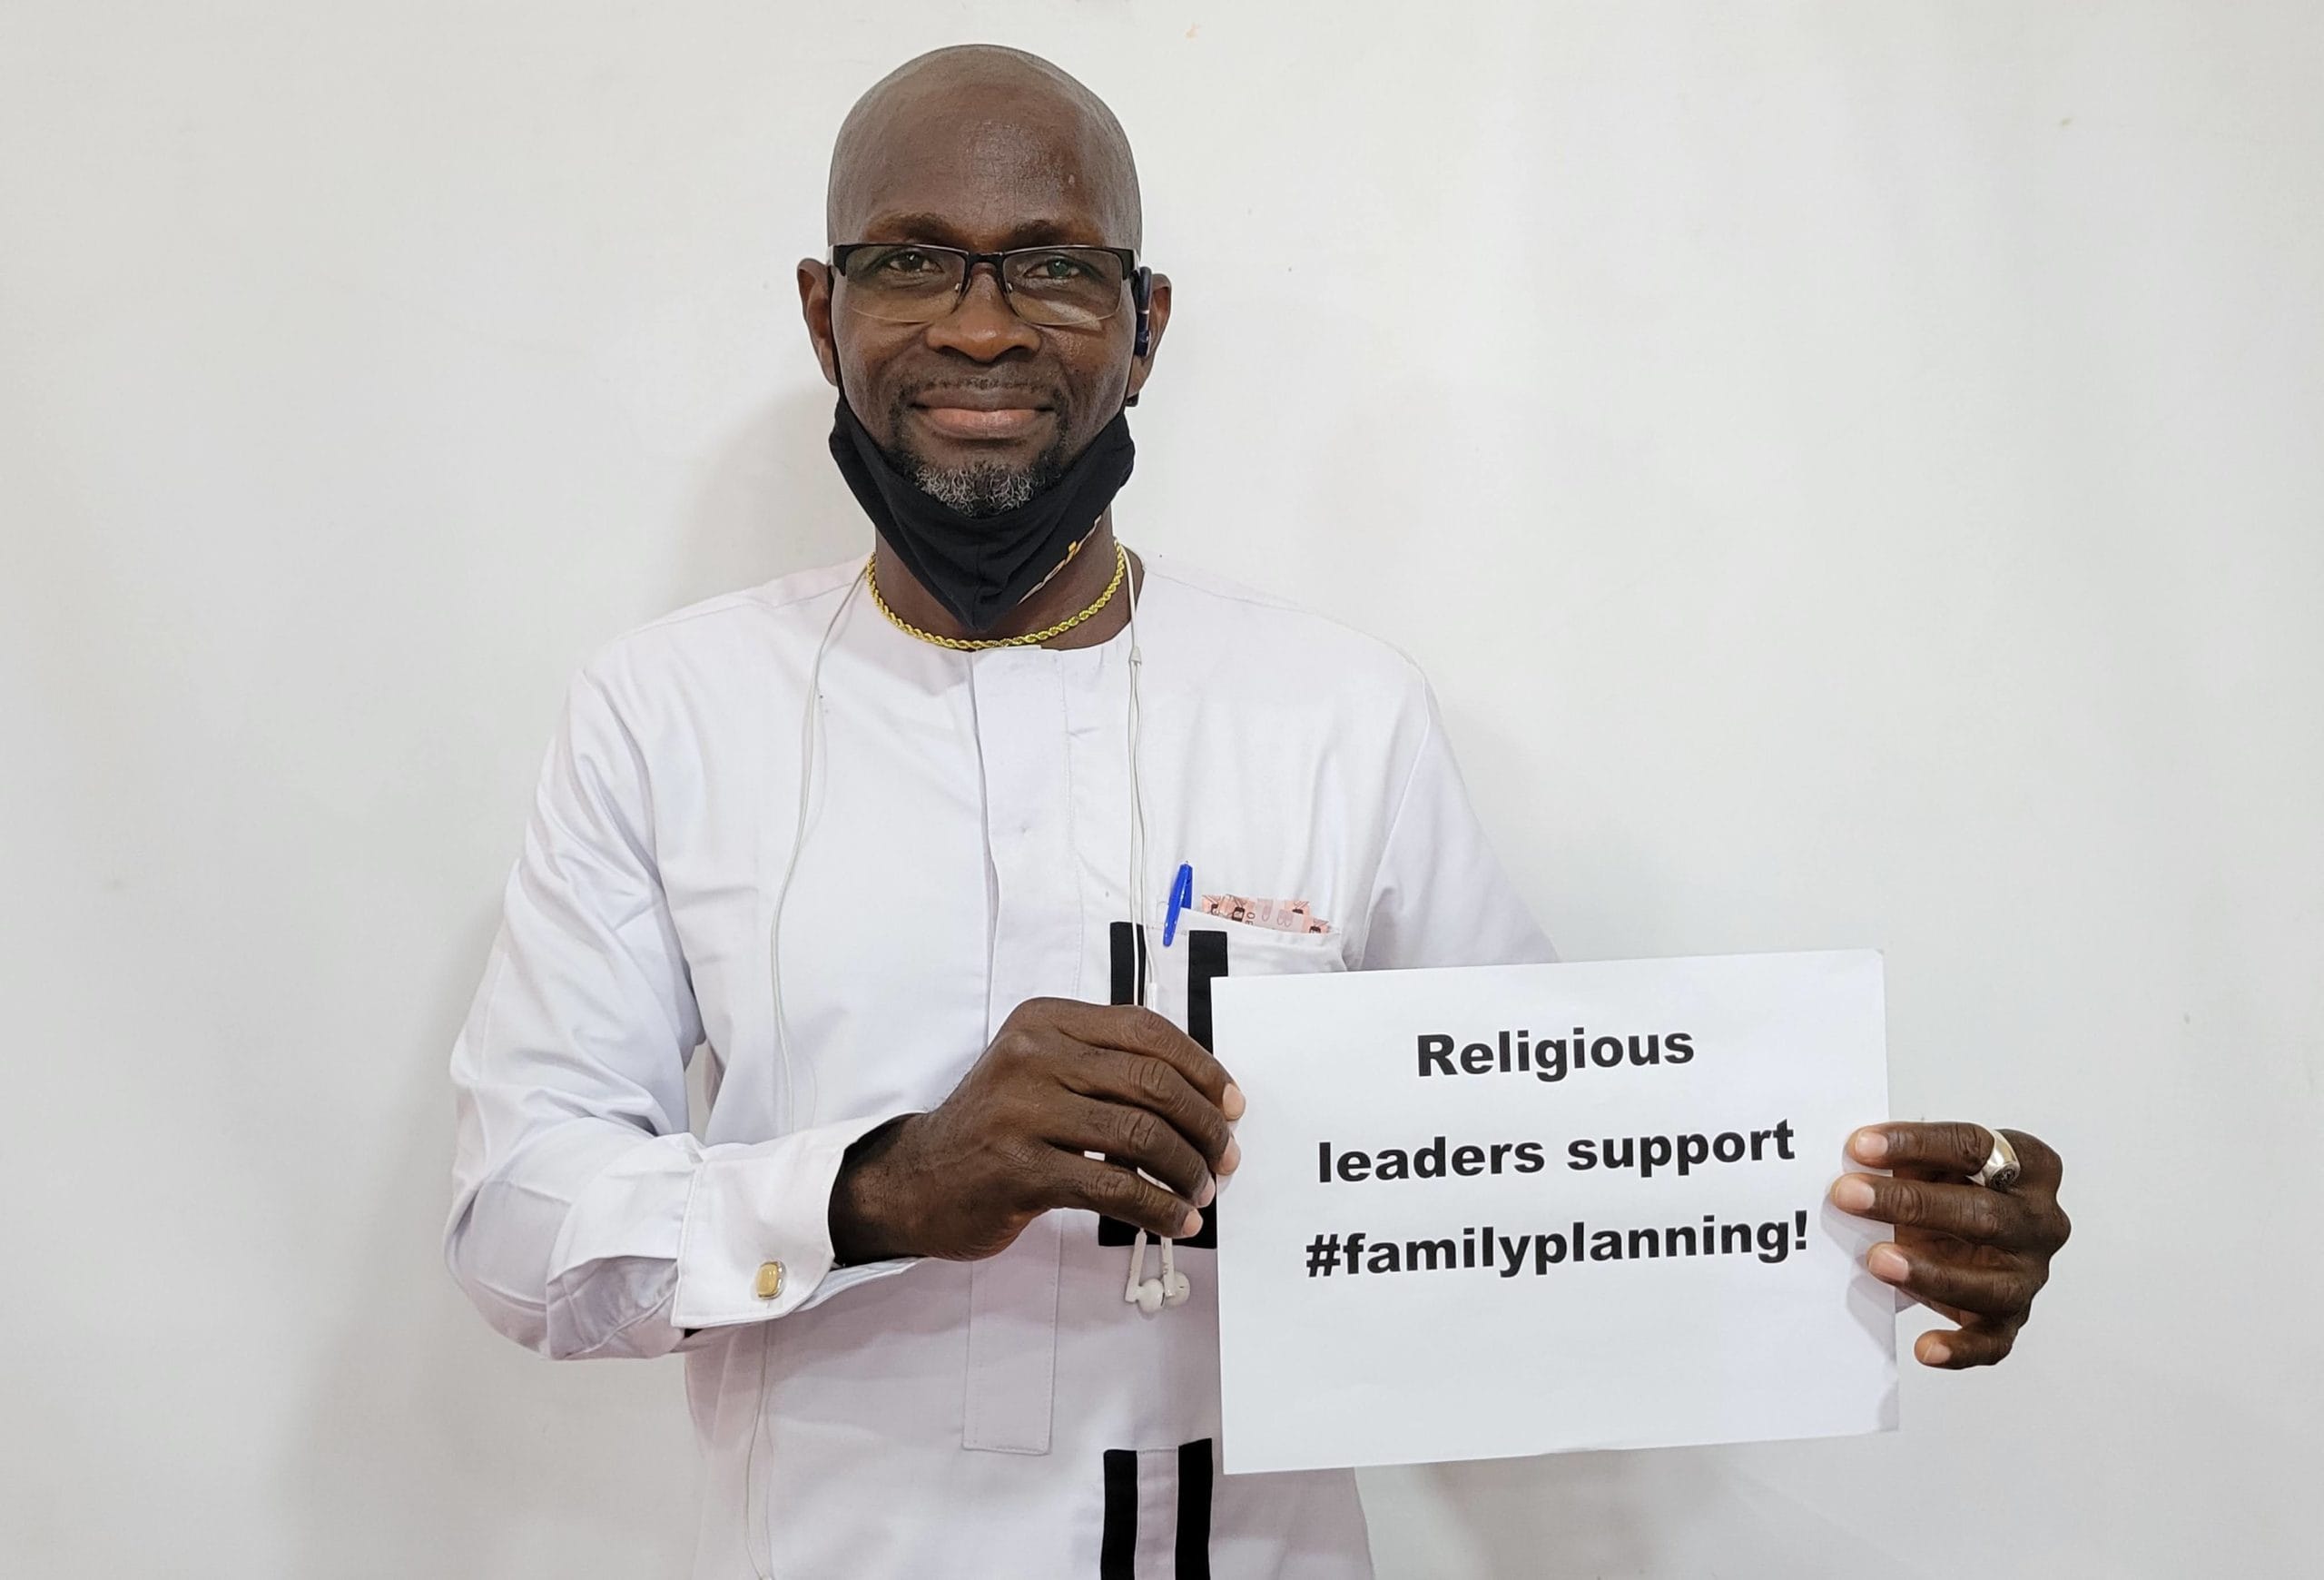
(1256, 950)
(1207, 948)
(1205, 951)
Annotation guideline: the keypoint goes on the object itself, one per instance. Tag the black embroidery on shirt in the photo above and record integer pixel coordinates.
(1118, 1547)
(1205, 963)
(1117, 1542)
(1128, 955)
(1194, 1510)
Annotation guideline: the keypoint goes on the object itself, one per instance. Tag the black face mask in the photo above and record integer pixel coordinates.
(981, 567)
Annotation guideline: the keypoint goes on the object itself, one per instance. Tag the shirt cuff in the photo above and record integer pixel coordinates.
(757, 1237)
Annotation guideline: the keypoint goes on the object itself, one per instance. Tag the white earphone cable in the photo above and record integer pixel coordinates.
(811, 717)
(1149, 1295)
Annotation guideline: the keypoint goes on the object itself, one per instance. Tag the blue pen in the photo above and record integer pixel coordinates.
(1182, 898)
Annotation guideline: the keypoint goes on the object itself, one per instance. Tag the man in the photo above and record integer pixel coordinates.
(903, 848)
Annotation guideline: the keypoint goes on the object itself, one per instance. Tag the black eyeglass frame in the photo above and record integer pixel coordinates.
(1139, 279)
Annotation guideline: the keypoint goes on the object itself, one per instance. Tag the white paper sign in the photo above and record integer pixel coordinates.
(1522, 1209)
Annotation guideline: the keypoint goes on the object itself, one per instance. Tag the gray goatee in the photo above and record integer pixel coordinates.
(985, 489)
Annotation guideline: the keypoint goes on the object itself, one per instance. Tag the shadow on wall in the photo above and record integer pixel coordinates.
(1570, 1514)
(433, 1445)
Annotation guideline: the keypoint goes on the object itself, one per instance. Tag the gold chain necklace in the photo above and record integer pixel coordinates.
(975, 643)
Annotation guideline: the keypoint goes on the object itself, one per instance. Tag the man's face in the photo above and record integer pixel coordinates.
(981, 409)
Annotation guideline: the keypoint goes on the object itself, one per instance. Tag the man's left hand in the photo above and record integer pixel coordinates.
(1973, 1254)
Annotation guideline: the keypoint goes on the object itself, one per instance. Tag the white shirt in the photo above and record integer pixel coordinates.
(968, 848)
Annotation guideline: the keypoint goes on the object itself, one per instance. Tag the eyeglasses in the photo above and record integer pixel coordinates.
(1052, 287)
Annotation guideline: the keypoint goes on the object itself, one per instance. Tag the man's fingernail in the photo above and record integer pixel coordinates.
(1191, 1228)
(1231, 1103)
(1853, 1193)
(1870, 1146)
(1935, 1352)
(1207, 1194)
(1232, 1159)
(1888, 1262)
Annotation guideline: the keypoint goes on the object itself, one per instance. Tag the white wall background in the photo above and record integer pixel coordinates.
(1870, 495)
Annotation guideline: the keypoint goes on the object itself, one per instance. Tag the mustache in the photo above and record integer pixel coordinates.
(984, 384)
(1031, 394)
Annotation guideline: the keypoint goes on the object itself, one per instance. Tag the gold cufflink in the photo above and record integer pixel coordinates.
(770, 1282)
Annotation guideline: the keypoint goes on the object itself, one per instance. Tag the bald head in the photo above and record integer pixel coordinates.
(976, 133)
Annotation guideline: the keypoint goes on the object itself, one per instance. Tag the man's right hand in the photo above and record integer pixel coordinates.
(1062, 1080)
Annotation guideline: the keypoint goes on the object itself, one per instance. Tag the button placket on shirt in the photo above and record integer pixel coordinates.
(1022, 746)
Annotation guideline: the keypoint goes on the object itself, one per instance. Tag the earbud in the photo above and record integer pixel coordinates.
(1150, 1295)
(1169, 1287)
(1141, 293)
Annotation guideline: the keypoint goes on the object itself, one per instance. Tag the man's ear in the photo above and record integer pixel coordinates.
(815, 307)
(1157, 317)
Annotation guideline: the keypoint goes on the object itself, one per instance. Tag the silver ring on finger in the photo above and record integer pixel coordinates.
(2002, 1169)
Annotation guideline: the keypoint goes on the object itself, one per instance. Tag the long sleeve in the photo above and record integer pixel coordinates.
(586, 1220)
(1441, 896)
